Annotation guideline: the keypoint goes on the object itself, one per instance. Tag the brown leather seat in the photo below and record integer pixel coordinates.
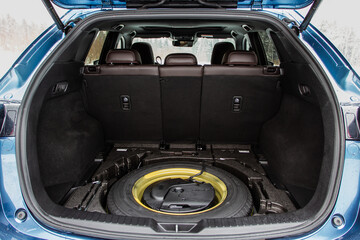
(180, 80)
(125, 97)
(237, 98)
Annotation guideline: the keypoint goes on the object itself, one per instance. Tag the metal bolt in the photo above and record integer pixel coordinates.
(125, 100)
(354, 98)
(8, 96)
(236, 100)
(338, 221)
(178, 190)
(20, 215)
(353, 149)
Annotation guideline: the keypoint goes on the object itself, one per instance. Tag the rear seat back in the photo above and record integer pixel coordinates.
(125, 97)
(237, 98)
(180, 80)
(181, 101)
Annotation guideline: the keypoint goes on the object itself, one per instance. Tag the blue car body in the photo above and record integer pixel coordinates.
(13, 86)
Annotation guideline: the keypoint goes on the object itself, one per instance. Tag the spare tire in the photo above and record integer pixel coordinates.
(233, 198)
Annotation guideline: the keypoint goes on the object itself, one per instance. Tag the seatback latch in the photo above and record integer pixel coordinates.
(236, 103)
(125, 102)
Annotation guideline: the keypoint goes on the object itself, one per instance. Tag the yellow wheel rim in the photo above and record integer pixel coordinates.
(183, 173)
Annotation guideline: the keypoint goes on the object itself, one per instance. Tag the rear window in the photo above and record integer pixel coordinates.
(272, 56)
(202, 48)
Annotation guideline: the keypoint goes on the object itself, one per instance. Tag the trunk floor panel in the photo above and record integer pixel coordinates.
(239, 160)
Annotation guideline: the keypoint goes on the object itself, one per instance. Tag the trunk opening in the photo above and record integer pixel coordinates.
(276, 133)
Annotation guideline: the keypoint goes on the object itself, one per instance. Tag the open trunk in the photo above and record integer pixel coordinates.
(275, 128)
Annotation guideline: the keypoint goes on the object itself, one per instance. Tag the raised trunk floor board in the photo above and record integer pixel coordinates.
(150, 153)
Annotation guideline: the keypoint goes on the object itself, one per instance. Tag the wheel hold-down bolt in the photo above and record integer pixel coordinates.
(20, 215)
(338, 221)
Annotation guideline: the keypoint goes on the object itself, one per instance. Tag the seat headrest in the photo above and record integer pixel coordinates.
(145, 51)
(219, 51)
(245, 58)
(123, 56)
(180, 59)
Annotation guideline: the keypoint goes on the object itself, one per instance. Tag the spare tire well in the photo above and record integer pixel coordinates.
(234, 199)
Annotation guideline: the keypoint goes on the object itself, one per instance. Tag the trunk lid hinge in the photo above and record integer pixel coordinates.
(305, 23)
(257, 5)
(292, 24)
(71, 24)
(54, 15)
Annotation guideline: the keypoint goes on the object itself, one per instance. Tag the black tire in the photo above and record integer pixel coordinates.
(238, 202)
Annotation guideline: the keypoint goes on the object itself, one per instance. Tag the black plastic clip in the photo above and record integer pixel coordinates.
(60, 87)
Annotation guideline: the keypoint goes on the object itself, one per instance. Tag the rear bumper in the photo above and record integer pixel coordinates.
(347, 204)
(12, 200)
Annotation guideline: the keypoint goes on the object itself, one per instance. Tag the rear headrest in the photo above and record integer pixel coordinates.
(123, 56)
(245, 58)
(219, 51)
(145, 51)
(180, 59)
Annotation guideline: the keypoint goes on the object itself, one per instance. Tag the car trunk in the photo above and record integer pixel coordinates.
(81, 128)
(70, 138)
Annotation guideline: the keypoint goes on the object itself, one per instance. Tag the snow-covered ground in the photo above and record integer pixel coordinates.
(7, 60)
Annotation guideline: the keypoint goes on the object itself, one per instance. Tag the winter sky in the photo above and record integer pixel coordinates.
(30, 10)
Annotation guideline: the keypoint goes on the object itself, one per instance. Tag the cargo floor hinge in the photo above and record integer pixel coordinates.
(259, 155)
(262, 159)
(200, 146)
(164, 146)
(99, 158)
